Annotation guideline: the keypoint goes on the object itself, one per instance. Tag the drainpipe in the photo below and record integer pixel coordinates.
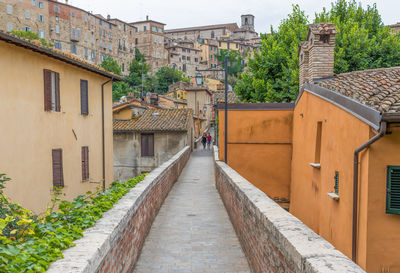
(102, 133)
(380, 134)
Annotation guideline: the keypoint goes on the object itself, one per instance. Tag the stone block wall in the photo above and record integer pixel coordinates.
(115, 242)
(273, 239)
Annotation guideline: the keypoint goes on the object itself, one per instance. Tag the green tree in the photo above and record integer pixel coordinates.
(235, 61)
(119, 89)
(138, 70)
(167, 75)
(272, 75)
(362, 42)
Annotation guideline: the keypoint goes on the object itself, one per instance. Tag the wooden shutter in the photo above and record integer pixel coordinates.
(58, 177)
(84, 98)
(85, 163)
(57, 87)
(393, 190)
(47, 89)
(147, 144)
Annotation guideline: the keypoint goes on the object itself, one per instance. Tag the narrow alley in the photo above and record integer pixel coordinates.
(192, 232)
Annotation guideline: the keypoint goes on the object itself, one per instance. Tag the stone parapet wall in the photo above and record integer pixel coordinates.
(115, 242)
(273, 239)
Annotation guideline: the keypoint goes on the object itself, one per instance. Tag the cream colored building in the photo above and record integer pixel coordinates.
(56, 123)
(199, 99)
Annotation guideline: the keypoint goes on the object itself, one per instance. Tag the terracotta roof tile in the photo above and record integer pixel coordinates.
(377, 88)
(219, 96)
(156, 120)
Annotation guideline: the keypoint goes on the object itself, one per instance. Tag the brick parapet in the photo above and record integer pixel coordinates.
(115, 242)
(273, 239)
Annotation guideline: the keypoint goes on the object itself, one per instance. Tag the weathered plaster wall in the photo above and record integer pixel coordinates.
(32, 132)
(114, 243)
(128, 161)
(273, 239)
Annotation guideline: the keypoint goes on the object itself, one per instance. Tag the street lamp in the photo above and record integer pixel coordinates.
(199, 79)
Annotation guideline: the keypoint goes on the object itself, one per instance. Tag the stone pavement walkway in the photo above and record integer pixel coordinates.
(192, 232)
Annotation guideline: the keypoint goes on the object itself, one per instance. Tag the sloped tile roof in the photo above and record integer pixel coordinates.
(376, 88)
(219, 96)
(156, 120)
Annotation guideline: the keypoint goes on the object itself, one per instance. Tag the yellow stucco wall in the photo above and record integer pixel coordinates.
(29, 133)
(123, 114)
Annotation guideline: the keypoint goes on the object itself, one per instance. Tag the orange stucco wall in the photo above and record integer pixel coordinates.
(29, 133)
(259, 147)
(378, 236)
(123, 114)
(383, 237)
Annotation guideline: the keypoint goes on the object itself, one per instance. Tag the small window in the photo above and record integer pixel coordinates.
(51, 91)
(9, 9)
(41, 5)
(33, 2)
(40, 18)
(72, 13)
(84, 98)
(27, 14)
(57, 18)
(41, 34)
(110, 46)
(85, 18)
(212, 34)
(154, 29)
(56, 9)
(93, 55)
(155, 40)
(58, 176)
(393, 190)
(318, 139)
(85, 163)
(144, 28)
(73, 49)
(147, 144)
(57, 29)
(57, 45)
(27, 29)
(9, 27)
(160, 30)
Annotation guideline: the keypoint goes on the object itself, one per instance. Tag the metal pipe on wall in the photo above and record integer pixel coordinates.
(102, 133)
(380, 134)
(226, 108)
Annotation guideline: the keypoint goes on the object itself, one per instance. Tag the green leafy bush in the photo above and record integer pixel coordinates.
(29, 243)
(29, 35)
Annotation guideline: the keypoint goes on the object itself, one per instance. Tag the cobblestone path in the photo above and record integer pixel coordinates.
(192, 232)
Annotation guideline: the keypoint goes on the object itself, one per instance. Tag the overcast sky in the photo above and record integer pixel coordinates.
(187, 13)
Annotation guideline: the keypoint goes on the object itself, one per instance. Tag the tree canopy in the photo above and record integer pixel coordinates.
(235, 61)
(362, 42)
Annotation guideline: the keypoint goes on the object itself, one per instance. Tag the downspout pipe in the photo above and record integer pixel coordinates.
(102, 133)
(380, 134)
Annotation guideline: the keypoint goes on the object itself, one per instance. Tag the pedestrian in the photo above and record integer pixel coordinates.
(209, 138)
(204, 140)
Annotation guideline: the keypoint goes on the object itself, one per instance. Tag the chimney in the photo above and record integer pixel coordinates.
(316, 55)
(66, 2)
(147, 18)
(108, 17)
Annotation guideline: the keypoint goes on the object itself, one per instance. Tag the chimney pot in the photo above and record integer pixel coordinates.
(147, 18)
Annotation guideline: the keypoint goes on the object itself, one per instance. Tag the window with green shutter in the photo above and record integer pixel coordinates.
(393, 190)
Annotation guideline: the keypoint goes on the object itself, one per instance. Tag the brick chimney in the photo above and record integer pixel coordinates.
(316, 55)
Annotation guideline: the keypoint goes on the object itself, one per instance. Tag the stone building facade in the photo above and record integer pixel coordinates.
(150, 42)
(71, 29)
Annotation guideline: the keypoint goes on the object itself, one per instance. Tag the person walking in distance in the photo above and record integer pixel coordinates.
(209, 138)
(204, 141)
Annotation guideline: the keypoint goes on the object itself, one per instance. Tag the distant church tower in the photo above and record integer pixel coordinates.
(248, 22)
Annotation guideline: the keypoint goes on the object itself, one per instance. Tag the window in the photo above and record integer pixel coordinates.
(56, 9)
(160, 30)
(93, 54)
(27, 29)
(160, 41)
(393, 190)
(86, 37)
(124, 27)
(9, 9)
(136, 41)
(85, 163)
(57, 18)
(196, 60)
(57, 45)
(51, 91)
(110, 45)
(78, 31)
(9, 27)
(73, 49)
(92, 41)
(85, 18)
(212, 34)
(155, 40)
(41, 5)
(147, 144)
(92, 21)
(58, 177)
(144, 28)
(318, 139)
(33, 2)
(57, 29)
(72, 13)
(27, 14)
(40, 18)
(123, 67)
(84, 98)
(86, 53)
(41, 34)
(110, 35)
(154, 29)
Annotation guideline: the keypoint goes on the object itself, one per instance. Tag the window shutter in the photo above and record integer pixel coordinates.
(144, 144)
(147, 143)
(151, 144)
(85, 163)
(47, 89)
(84, 98)
(393, 190)
(58, 106)
(58, 178)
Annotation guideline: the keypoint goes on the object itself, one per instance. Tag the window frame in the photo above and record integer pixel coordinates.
(389, 182)
(148, 151)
